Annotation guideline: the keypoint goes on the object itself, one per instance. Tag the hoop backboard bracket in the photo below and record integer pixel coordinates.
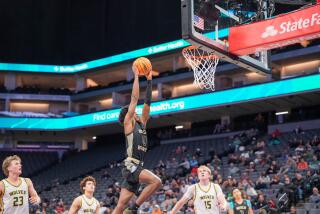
(200, 39)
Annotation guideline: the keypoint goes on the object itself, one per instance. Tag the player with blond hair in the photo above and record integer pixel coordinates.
(207, 197)
(16, 191)
(86, 203)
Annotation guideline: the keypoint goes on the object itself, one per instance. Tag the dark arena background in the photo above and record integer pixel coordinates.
(66, 71)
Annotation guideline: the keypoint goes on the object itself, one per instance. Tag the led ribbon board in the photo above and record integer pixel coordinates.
(105, 61)
(225, 97)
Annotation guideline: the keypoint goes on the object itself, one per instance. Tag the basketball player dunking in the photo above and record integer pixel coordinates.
(86, 203)
(136, 139)
(207, 197)
(15, 191)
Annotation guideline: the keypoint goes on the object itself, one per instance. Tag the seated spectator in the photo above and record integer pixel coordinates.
(185, 164)
(60, 207)
(251, 168)
(233, 169)
(289, 189)
(315, 140)
(275, 180)
(198, 152)
(302, 164)
(233, 158)
(194, 162)
(298, 182)
(315, 197)
(300, 149)
(260, 204)
(156, 209)
(229, 184)
(315, 163)
(271, 170)
(263, 181)
(274, 140)
(161, 164)
(178, 150)
(216, 161)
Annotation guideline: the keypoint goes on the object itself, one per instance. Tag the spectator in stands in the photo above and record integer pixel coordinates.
(302, 165)
(260, 204)
(161, 164)
(300, 149)
(216, 161)
(174, 163)
(298, 182)
(229, 184)
(289, 189)
(233, 158)
(156, 209)
(60, 207)
(185, 165)
(251, 168)
(315, 197)
(263, 181)
(275, 180)
(274, 140)
(233, 170)
(290, 165)
(245, 157)
(198, 153)
(315, 140)
(194, 162)
(314, 163)
(271, 170)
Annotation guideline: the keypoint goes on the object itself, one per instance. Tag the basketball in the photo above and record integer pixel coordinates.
(143, 66)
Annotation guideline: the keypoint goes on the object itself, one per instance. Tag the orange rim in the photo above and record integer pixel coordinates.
(191, 48)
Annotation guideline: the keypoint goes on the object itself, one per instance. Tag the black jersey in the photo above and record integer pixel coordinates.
(242, 208)
(137, 142)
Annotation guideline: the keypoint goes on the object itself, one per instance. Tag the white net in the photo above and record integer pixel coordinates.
(203, 64)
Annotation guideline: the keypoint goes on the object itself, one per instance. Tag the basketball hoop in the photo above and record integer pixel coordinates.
(203, 64)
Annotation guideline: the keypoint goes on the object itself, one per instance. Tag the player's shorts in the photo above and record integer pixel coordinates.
(131, 180)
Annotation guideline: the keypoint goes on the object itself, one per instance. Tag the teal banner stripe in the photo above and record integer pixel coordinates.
(105, 61)
(225, 97)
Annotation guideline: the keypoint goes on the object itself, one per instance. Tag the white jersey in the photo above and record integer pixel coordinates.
(16, 198)
(88, 206)
(206, 199)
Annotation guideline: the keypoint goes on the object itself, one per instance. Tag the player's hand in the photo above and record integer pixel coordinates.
(135, 70)
(149, 76)
(34, 200)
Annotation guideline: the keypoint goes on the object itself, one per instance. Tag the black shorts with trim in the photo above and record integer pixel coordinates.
(131, 180)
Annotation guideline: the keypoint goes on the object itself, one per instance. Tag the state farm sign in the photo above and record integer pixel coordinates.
(277, 32)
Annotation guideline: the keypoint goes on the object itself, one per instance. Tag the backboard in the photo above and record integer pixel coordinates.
(206, 23)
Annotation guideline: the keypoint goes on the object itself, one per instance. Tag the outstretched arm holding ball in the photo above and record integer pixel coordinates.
(147, 101)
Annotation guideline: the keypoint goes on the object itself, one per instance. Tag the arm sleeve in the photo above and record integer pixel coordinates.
(249, 204)
(190, 193)
(148, 97)
(231, 205)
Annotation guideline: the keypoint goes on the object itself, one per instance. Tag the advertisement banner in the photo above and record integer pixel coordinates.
(273, 33)
(189, 103)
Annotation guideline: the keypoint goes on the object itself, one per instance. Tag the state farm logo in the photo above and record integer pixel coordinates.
(270, 31)
(291, 26)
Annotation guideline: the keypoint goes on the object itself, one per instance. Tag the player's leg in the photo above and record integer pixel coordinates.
(125, 196)
(153, 184)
